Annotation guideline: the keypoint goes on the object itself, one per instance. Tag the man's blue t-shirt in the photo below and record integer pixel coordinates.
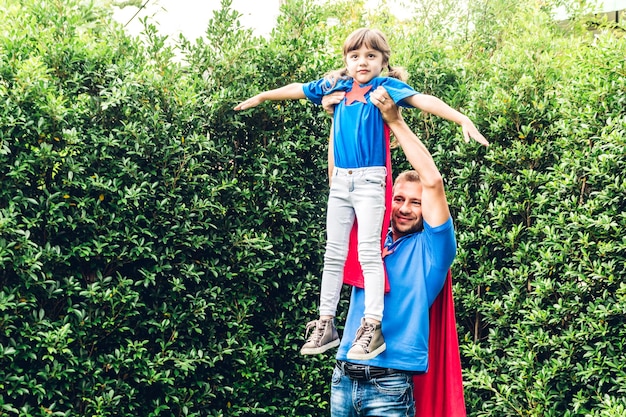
(359, 139)
(417, 266)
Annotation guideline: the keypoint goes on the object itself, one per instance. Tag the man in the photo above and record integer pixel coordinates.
(418, 253)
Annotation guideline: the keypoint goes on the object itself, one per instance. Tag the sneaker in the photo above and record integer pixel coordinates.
(322, 335)
(368, 343)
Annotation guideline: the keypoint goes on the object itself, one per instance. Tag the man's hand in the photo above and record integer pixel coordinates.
(389, 109)
(331, 100)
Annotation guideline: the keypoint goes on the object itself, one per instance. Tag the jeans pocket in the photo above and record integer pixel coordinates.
(375, 179)
(393, 384)
(337, 374)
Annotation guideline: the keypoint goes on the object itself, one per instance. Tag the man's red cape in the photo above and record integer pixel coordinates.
(438, 392)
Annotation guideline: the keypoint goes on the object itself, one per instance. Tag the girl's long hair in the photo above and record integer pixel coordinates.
(371, 38)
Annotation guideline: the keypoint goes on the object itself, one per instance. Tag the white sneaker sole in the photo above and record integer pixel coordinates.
(367, 356)
(321, 349)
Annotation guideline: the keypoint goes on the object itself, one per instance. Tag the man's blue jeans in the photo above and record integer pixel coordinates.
(388, 396)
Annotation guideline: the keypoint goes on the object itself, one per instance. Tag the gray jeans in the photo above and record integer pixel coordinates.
(357, 193)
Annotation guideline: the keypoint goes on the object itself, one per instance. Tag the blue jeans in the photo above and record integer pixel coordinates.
(388, 396)
(359, 194)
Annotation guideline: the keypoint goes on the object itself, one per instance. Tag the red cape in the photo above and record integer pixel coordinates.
(352, 272)
(439, 392)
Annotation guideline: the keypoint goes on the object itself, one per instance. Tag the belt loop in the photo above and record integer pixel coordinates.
(340, 365)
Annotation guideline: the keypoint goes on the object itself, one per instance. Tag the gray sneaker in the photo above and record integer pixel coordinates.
(368, 343)
(322, 335)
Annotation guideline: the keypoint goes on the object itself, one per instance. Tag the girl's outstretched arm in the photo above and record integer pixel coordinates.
(292, 91)
(436, 106)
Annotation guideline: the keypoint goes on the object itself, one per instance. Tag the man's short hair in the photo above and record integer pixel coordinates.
(407, 176)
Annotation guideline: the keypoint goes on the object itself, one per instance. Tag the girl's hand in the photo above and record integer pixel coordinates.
(249, 103)
(470, 131)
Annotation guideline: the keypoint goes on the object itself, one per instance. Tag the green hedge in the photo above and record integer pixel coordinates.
(542, 256)
(160, 253)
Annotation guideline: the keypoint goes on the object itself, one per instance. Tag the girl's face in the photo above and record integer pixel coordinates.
(364, 64)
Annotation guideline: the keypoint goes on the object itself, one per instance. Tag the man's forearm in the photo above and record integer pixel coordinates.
(416, 152)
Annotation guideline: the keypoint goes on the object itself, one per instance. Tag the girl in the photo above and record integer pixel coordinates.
(358, 167)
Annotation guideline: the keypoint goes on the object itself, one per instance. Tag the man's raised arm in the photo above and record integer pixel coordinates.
(435, 210)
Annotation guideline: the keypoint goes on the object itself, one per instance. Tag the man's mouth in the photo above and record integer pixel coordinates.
(403, 219)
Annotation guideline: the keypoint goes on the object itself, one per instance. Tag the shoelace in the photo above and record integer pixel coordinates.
(318, 331)
(364, 336)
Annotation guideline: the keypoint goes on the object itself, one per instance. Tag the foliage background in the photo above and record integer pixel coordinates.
(160, 253)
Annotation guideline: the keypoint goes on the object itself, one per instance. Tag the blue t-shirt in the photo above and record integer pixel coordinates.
(417, 266)
(359, 138)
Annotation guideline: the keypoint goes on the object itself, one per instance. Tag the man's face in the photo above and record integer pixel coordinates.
(406, 209)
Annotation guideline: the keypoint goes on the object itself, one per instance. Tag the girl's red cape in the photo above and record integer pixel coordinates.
(352, 272)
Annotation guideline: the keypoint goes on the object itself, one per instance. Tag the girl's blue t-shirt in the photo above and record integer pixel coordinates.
(358, 135)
